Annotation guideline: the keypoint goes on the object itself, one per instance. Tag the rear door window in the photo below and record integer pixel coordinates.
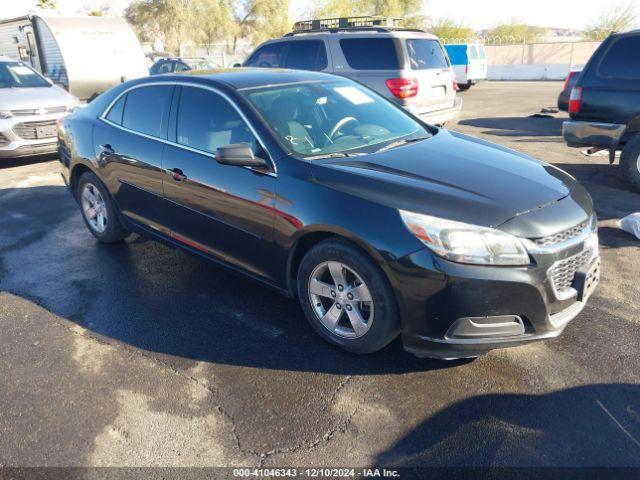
(473, 52)
(425, 54)
(268, 56)
(305, 55)
(620, 60)
(372, 53)
(147, 108)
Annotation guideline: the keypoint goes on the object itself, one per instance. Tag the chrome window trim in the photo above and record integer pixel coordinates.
(103, 117)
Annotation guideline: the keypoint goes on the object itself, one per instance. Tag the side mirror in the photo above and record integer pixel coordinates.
(239, 154)
(237, 65)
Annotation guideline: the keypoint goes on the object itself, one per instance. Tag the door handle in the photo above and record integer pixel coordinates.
(177, 174)
(106, 149)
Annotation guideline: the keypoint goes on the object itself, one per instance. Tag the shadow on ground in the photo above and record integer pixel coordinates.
(594, 425)
(162, 300)
(517, 126)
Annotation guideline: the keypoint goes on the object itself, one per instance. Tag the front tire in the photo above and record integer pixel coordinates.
(347, 298)
(98, 210)
(630, 161)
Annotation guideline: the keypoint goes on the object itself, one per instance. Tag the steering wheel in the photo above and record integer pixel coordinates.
(341, 123)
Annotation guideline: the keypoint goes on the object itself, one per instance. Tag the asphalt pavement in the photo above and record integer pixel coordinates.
(137, 354)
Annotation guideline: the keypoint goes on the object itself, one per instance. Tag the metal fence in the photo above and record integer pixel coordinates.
(508, 40)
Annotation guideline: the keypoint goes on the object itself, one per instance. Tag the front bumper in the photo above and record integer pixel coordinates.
(592, 134)
(13, 131)
(451, 310)
(438, 117)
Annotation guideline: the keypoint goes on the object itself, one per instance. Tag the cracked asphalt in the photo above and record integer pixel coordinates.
(139, 355)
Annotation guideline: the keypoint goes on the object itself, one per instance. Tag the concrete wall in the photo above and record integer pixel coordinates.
(537, 61)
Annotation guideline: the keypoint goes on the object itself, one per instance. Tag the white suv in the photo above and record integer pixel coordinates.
(408, 66)
(30, 105)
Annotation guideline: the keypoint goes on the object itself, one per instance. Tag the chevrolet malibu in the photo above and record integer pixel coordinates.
(312, 184)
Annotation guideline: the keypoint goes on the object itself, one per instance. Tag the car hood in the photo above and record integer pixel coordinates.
(451, 176)
(40, 97)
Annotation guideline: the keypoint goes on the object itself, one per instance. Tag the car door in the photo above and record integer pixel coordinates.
(128, 143)
(224, 211)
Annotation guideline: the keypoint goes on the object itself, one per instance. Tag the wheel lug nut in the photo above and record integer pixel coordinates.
(350, 296)
(340, 287)
(338, 306)
(348, 308)
(333, 294)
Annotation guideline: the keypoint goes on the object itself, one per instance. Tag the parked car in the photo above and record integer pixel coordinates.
(604, 104)
(569, 83)
(177, 65)
(30, 105)
(407, 66)
(317, 186)
(469, 61)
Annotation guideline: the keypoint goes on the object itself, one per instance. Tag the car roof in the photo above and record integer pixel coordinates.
(245, 78)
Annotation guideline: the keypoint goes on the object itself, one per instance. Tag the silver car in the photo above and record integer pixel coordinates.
(408, 66)
(30, 105)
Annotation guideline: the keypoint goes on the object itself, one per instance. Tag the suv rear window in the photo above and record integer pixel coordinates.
(372, 53)
(620, 59)
(425, 54)
(305, 55)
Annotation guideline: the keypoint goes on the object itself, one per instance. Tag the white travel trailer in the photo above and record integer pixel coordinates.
(84, 55)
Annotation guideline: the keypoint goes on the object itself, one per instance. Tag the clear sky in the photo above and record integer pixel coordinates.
(477, 13)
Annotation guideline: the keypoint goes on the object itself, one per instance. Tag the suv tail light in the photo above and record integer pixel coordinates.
(403, 87)
(575, 99)
(455, 83)
(566, 82)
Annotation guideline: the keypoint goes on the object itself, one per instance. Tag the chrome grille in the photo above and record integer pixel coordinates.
(28, 130)
(562, 273)
(38, 111)
(561, 236)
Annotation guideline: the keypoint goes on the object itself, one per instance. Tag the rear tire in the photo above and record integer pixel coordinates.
(464, 87)
(98, 210)
(630, 162)
(347, 298)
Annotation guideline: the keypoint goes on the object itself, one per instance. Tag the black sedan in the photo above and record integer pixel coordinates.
(315, 185)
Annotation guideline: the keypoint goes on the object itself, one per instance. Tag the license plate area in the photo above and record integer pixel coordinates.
(587, 279)
(438, 92)
(46, 131)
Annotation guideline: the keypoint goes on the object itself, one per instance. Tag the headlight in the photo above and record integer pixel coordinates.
(4, 114)
(464, 243)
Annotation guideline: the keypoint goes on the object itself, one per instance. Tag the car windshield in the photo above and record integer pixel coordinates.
(321, 119)
(18, 75)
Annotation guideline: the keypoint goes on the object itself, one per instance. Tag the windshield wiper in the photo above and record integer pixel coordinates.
(397, 143)
(333, 155)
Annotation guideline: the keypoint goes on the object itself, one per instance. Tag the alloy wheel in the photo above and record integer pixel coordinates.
(94, 208)
(341, 300)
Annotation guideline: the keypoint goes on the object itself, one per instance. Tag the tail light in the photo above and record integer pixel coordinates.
(403, 87)
(466, 69)
(455, 83)
(575, 99)
(566, 82)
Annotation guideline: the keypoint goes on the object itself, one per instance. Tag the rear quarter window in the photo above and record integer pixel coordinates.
(372, 53)
(620, 60)
(425, 54)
